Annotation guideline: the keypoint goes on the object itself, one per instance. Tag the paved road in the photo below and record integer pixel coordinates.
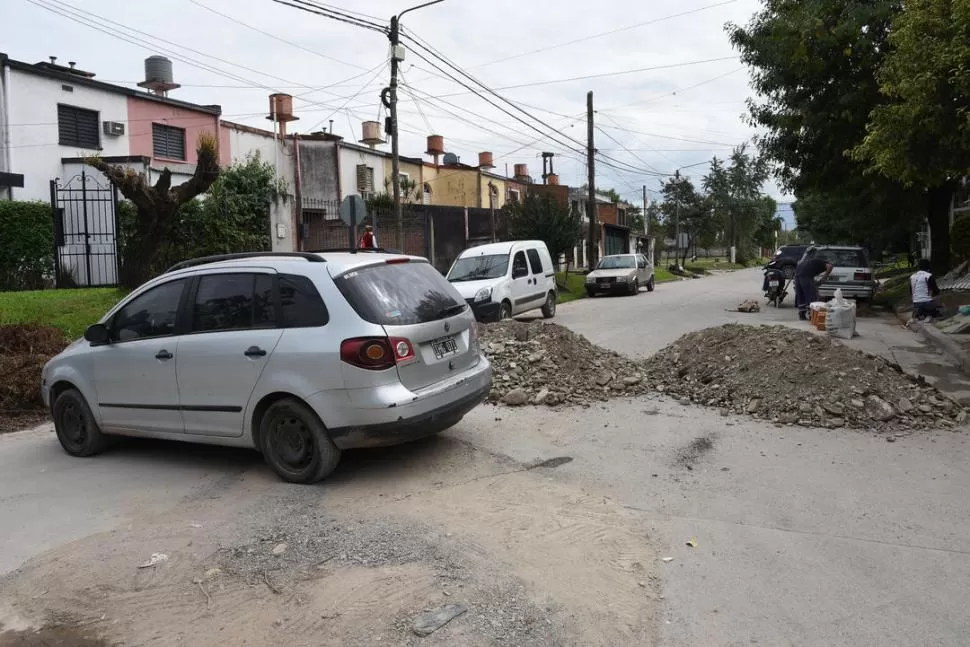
(805, 537)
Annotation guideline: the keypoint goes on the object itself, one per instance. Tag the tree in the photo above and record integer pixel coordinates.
(539, 217)
(768, 225)
(686, 212)
(920, 136)
(813, 66)
(156, 206)
(735, 194)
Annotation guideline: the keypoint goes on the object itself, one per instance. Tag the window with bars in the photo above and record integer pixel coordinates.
(77, 127)
(168, 142)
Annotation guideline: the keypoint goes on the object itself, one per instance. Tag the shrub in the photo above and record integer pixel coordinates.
(26, 245)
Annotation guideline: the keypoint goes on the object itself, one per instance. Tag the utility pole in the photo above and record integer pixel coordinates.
(646, 218)
(397, 55)
(592, 244)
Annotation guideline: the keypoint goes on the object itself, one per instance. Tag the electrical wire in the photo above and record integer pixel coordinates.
(274, 36)
(351, 98)
(309, 7)
(414, 99)
(675, 92)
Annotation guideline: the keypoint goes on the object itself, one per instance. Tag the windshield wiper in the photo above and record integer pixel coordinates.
(452, 310)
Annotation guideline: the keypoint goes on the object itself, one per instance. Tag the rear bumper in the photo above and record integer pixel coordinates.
(485, 311)
(391, 414)
(850, 290)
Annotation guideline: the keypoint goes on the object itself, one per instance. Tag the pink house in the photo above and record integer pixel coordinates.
(167, 133)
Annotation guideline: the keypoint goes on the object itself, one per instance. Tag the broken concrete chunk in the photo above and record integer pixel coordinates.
(516, 398)
(430, 622)
(879, 409)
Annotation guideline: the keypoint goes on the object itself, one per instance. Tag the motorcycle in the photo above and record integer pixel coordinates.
(775, 286)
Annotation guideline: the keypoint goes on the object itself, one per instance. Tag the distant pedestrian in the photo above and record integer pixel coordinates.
(368, 240)
(806, 288)
(923, 287)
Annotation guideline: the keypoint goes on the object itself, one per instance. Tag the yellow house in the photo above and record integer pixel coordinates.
(411, 171)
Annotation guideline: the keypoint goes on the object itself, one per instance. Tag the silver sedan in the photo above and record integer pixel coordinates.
(623, 273)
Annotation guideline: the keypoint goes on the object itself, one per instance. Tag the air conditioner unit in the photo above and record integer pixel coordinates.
(114, 128)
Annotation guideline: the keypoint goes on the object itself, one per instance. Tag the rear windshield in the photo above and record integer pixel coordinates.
(400, 294)
(477, 268)
(844, 257)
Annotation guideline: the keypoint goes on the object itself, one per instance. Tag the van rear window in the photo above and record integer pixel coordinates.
(400, 294)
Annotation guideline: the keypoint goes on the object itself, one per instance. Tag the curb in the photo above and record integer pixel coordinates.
(939, 340)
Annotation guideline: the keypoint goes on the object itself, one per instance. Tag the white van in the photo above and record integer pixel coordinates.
(502, 280)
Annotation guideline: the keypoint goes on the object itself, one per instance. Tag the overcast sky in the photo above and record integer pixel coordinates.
(682, 112)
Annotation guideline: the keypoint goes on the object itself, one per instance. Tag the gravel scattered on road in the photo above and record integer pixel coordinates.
(794, 377)
(546, 364)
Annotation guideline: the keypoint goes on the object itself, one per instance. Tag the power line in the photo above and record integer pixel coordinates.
(606, 33)
(274, 36)
(351, 98)
(674, 92)
(329, 13)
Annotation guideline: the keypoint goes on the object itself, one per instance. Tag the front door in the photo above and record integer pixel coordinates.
(523, 291)
(135, 374)
(232, 336)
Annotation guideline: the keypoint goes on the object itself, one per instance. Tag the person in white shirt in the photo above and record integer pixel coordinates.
(923, 287)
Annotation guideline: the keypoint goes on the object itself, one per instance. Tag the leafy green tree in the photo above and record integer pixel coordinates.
(540, 217)
(920, 136)
(686, 212)
(156, 206)
(813, 66)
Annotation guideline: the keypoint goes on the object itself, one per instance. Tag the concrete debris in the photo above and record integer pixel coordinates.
(548, 365)
(430, 622)
(750, 305)
(154, 560)
(790, 376)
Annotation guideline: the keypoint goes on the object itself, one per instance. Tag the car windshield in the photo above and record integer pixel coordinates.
(844, 257)
(617, 263)
(477, 268)
(400, 294)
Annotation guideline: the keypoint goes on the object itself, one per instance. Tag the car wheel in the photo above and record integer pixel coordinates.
(76, 428)
(650, 284)
(634, 288)
(549, 309)
(789, 272)
(505, 311)
(295, 443)
(590, 293)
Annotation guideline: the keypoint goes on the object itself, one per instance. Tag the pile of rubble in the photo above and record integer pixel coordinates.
(794, 377)
(24, 349)
(546, 364)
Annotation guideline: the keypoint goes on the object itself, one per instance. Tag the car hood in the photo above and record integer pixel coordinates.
(468, 289)
(598, 274)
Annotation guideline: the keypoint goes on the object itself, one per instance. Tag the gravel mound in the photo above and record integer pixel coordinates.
(794, 377)
(547, 364)
(24, 349)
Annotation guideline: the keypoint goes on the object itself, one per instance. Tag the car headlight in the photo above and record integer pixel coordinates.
(485, 294)
(622, 279)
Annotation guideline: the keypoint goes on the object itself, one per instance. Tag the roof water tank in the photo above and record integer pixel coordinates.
(521, 170)
(372, 133)
(158, 69)
(552, 178)
(436, 145)
(485, 160)
(281, 106)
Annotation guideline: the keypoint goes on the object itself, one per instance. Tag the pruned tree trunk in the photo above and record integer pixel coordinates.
(156, 206)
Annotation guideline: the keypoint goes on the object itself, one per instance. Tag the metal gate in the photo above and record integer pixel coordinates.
(85, 231)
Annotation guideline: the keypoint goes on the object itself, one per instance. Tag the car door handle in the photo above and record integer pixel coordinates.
(255, 351)
(164, 355)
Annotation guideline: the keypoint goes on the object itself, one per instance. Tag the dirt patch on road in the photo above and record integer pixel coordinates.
(24, 349)
(391, 535)
(795, 377)
(548, 364)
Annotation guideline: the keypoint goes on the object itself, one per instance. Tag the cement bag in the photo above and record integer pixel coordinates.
(840, 317)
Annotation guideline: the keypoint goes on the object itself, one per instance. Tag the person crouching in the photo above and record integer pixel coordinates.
(806, 286)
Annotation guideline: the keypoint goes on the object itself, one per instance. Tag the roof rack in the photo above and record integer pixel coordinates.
(311, 257)
(355, 250)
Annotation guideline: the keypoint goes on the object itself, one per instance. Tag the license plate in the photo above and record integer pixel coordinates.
(444, 347)
(604, 281)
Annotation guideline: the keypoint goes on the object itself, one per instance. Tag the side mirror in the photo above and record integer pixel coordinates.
(97, 334)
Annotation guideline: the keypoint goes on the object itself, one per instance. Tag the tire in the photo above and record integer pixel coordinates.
(634, 288)
(505, 311)
(76, 428)
(591, 293)
(295, 443)
(650, 284)
(549, 309)
(789, 271)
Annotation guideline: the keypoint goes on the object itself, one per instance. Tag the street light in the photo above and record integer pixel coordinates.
(397, 55)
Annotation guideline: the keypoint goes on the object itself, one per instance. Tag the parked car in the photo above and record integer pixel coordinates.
(786, 259)
(851, 271)
(296, 355)
(502, 280)
(623, 273)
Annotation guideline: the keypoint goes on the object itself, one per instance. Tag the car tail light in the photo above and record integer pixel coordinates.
(375, 353)
(863, 276)
(396, 261)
